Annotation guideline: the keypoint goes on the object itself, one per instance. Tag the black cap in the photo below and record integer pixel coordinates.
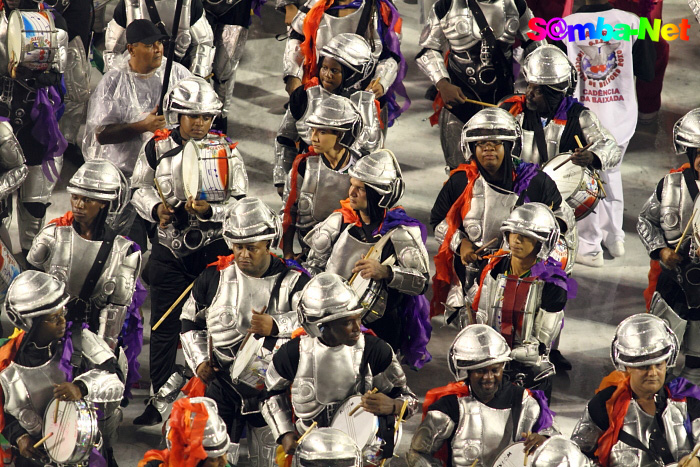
(143, 31)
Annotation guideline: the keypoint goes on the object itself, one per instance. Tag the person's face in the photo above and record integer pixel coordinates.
(145, 58)
(357, 195)
(251, 258)
(85, 210)
(195, 126)
(522, 247)
(490, 155)
(323, 140)
(647, 380)
(213, 462)
(534, 98)
(486, 381)
(51, 327)
(331, 74)
(343, 331)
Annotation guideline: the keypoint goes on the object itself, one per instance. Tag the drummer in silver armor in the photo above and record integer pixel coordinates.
(663, 218)
(347, 65)
(195, 38)
(39, 371)
(248, 293)
(329, 447)
(481, 415)
(398, 271)
(474, 69)
(637, 418)
(319, 179)
(189, 216)
(333, 362)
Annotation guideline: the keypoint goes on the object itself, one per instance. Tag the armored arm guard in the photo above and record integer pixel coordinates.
(284, 153)
(411, 274)
(115, 43)
(277, 412)
(430, 60)
(441, 233)
(321, 240)
(11, 161)
(195, 348)
(102, 386)
(387, 71)
(286, 317)
(432, 432)
(566, 215)
(586, 433)
(649, 225)
(293, 59)
(125, 280)
(145, 198)
(42, 248)
(371, 137)
(394, 378)
(604, 144)
(547, 326)
(203, 42)
(529, 415)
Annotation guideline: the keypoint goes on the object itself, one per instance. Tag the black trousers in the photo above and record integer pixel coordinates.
(169, 277)
(229, 403)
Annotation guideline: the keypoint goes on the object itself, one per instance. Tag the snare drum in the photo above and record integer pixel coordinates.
(210, 172)
(363, 427)
(75, 432)
(512, 456)
(578, 185)
(252, 360)
(32, 39)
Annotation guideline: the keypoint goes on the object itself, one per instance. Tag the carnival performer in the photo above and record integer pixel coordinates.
(44, 361)
(522, 293)
(248, 293)
(194, 44)
(346, 67)
(559, 450)
(195, 435)
(378, 21)
(636, 418)
(122, 113)
(319, 178)
(327, 446)
(396, 273)
(471, 421)
(333, 362)
(189, 222)
(32, 103)
(664, 217)
(479, 65)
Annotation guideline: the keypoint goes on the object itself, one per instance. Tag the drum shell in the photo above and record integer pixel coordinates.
(34, 49)
(208, 170)
(87, 432)
(578, 185)
(511, 456)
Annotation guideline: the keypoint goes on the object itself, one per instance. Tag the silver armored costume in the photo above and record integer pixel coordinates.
(77, 79)
(13, 170)
(329, 446)
(199, 35)
(481, 431)
(230, 45)
(63, 252)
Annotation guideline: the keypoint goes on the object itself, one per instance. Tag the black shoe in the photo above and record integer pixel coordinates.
(149, 417)
(559, 361)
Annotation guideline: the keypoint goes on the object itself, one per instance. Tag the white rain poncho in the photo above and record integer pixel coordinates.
(124, 96)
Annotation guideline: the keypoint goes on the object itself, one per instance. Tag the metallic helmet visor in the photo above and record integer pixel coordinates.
(644, 360)
(106, 195)
(482, 134)
(348, 462)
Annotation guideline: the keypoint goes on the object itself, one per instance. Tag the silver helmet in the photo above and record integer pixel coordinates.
(559, 451)
(549, 66)
(190, 96)
(534, 220)
(643, 339)
(32, 294)
(327, 447)
(327, 297)
(251, 220)
(476, 346)
(353, 52)
(102, 180)
(686, 132)
(215, 440)
(491, 124)
(338, 113)
(381, 171)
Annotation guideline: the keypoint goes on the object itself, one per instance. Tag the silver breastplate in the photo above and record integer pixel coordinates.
(346, 252)
(462, 31)
(326, 376)
(552, 137)
(315, 95)
(28, 391)
(676, 207)
(136, 9)
(489, 208)
(321, 192)
(169, 172)
(530, 308)
(331, 26)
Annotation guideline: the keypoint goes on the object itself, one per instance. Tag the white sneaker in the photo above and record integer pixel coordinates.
(616, 248)
(594, 261)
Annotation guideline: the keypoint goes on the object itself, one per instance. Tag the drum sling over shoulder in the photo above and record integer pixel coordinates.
(155, 17)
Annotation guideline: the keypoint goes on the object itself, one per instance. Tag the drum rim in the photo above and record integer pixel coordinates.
(86, 419)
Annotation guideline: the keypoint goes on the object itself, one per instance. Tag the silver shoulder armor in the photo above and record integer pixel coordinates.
(371, 137)
(102, 386)
(604, 144)
(394, 377)
(11, 161)
(195, 348)
(285, 154)
(292, 60)
(203, 42)
(410, 272)
(432, 39)
(387, 71)
(432, 432)
(277, 412)
(43, 247)
(145, 196)
(649, 225)
(586, 432)
(321, 240)
(95, 349)
(115, 44)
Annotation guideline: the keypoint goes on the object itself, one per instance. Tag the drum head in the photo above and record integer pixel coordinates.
(245, 354)
(14, 36)
(190, 169)
(61, 446)
(362, 426)
(567, 177)
(512, 456)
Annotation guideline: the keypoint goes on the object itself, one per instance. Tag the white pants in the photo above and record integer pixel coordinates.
(604, 225)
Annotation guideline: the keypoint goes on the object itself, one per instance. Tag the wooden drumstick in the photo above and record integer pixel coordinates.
(685, 232)
(485, 104)
(42, 440)
(486, 245)
(359, 406)
(308, 430)
(160, 192)
(398, 423)
(690, 458)
(364, 257)
(373, 83)
(55, 412)
(172, 307)
(578, 141)
(568, 159)
(475, 462)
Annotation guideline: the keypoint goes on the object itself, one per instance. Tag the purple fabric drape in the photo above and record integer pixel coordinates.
(96, 459)
(294, 264)
(546, 414)
(681, 388)
(391, 42)
(356, 4)
(256, 7)
(64, 363)
(132, 337)
(417, 328)
(550, 271)
(524, 173)
(564, 106)
(47, 107)
(396, 217)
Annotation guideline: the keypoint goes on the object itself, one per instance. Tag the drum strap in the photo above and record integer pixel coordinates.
(658, 443)
(540, 140)
(516, 410)
(500, 62)
(272, 304)
(689, 178)
(155, 16)
(514, 299)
